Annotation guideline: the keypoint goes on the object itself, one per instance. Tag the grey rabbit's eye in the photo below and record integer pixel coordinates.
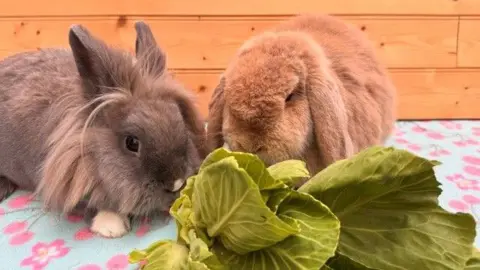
(132, 143)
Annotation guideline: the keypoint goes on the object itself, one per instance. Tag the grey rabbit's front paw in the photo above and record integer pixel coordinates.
(110, 225)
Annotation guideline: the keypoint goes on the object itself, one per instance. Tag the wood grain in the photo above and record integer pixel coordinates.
(209, 43)
(469, 42)
(235, 7)
(422, 93)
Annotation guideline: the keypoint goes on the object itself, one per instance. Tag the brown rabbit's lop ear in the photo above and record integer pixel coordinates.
(329, 117)
(215, 117)
(147, 51)
(95, 62)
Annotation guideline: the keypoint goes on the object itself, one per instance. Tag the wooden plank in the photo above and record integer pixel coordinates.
(468, 7)
(469, 42)
(423, 93)
(235, 7)
(209, 43)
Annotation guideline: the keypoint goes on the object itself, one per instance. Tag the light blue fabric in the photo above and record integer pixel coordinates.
(25, 232)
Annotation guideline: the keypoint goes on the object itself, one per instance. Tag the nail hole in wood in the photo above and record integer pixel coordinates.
(204, 58)
(22, 23)
(382, 44)
(466, 87)
(202, 88)
(363, 28)
(253, 28)
(38, 32)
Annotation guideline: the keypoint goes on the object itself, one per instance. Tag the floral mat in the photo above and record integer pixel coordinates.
(31, 239)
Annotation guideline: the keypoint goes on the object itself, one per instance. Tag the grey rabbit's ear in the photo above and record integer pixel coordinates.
(94, 61)
(147, 51)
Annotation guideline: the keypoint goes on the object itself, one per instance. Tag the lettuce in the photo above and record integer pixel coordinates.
(242, 215)
(389, 198)
(376, 210)
(474, 262)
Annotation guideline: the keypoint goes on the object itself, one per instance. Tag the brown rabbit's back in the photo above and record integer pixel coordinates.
(32, 85)
(370, 94)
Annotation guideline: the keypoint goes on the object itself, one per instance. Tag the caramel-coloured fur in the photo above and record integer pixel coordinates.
(343, 99)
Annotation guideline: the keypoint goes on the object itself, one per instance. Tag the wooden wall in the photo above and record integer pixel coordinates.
(432, 47)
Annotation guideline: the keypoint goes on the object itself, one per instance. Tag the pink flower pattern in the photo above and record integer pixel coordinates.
(464, 184)
(43, 253)
(43, 249)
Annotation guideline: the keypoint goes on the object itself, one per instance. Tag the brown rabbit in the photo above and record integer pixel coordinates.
(310, 88)
(94, 124)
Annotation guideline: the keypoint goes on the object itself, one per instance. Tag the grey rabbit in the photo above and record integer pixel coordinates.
(98, 125)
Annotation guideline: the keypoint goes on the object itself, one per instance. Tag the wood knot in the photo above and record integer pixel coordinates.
(202, 88)
(122, 21)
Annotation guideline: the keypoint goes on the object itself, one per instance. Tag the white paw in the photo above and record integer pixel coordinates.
(110, 224)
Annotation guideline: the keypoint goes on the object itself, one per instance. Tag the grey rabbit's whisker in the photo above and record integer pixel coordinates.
(22, 210)
(106, 100)
(39, 216)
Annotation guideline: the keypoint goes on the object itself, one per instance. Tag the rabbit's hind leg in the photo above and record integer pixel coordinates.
(7, 187)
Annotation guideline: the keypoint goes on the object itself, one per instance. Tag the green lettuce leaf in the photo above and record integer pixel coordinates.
(474, 262)
(276, 198)
(309, 249)
(290, 172)
(387, 202)
(182, 211)
(162, 255)
(227, 202)
(320, 230)
(169, 255)
(340, 262)
(200, 257)
(252, 164)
